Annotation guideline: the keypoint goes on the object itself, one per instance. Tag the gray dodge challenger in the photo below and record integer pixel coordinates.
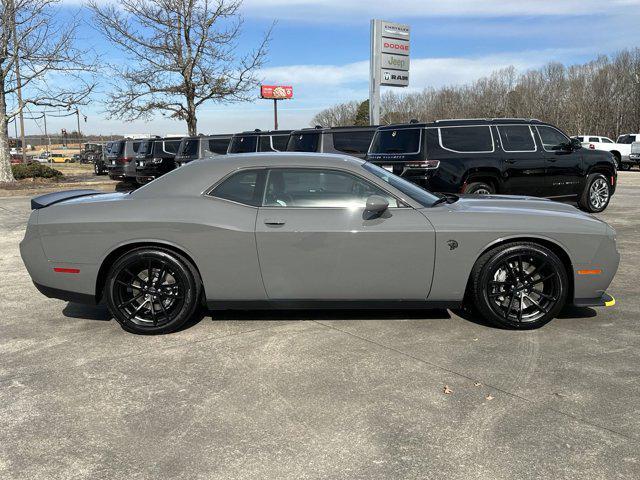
(294, 230)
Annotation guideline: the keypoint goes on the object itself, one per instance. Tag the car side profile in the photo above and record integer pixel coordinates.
(505, 156)
(201, 146)
(259, 141)
(312, 230)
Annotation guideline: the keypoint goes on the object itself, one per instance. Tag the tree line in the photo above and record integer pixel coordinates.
(598, 97)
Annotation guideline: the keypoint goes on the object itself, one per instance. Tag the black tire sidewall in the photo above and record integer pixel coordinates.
(182, 266)
(474, 186)
(483, 268)
(585, 200)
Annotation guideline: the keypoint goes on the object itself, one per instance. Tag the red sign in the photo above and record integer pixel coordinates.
(276, 91)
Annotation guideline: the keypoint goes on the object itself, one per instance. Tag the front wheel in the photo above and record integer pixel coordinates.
(519, 285)
(596, 195)
(624, 166)
(152, 291)
(479, 188)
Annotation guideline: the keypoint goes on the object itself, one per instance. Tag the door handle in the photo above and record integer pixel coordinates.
(510, 161)
(274, 221)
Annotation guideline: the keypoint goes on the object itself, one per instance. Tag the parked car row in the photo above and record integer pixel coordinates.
(484, 156)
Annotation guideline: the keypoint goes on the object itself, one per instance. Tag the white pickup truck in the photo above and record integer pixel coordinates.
(621, 149)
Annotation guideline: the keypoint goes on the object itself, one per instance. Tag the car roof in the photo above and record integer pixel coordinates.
(262, 133)
(349, 128)
(197, 176)
(465, 121)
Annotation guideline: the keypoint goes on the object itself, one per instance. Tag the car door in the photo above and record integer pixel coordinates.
(316, 241)
(564, 164)
(524, 168)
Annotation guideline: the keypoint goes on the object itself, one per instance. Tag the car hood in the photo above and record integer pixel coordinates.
(518, 205)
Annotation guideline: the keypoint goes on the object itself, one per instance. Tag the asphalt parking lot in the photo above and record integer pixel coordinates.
(310, 394)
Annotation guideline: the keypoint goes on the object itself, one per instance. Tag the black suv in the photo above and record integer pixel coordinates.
(201, 146)
(505, 156)
(259, 141)
(155, 157)
(353, 141)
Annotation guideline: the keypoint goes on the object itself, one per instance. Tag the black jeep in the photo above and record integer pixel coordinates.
(353, 140)
(155, 157)
(505, 156)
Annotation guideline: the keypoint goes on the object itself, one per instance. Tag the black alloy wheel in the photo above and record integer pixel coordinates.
(479, 188)
(152, 291)
(519, 285)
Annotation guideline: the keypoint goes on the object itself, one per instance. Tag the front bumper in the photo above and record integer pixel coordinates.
(605, 300)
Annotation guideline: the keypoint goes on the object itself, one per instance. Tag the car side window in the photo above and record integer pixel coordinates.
(516, 138)
(265, 144)
(606, 140)
(552, 139)
(219, 145)
(472, 139)
(310, 187)
(244, 187)
(594, 139)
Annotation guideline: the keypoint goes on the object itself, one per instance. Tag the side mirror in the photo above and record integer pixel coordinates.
(575, 144)
(376, 204)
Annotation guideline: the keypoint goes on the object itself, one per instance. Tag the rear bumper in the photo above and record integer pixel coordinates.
(66, 295)
(605, 300)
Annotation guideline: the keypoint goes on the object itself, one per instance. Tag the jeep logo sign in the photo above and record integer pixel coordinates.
(395, 62)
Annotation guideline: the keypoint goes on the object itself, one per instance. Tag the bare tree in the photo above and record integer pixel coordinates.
(52, 71)
(340, 115)
(182, 54)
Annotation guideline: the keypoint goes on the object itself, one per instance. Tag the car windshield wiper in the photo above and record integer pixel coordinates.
(445, 198)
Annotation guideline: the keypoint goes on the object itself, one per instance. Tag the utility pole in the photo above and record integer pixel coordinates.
(16, 59)
(46, 135)
(275, 114)
(78, 131)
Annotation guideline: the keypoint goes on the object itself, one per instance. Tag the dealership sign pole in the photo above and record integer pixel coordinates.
(275, 93)
(389, 61)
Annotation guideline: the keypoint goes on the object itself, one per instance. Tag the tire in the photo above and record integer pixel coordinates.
(531, 277)
(479, 188)
(160, 305)
(625, 166)
(618, 160)
(596, 195)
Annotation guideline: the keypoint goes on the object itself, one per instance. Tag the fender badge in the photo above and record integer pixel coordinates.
(452, 244)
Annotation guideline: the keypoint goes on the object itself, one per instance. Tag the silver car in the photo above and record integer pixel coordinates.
(291, 230)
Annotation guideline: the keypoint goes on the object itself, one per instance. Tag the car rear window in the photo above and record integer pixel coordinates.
(304, 142)
(142, 147)
(114, 148)
(243, 144)
(219, 145)
(189, 147)
(353, 142)
(171, 146)
(472, 139)
(516, 138)
(265, 144)
(403, 140)
(279, 142)
(243, 187)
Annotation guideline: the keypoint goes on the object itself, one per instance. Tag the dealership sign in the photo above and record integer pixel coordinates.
(276, 92)
(389, 65)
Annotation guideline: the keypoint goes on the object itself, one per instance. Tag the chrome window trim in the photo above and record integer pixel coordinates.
(535, 144)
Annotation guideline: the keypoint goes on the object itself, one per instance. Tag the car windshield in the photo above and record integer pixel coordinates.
(423, 197)
(303, 142)
(403, 140)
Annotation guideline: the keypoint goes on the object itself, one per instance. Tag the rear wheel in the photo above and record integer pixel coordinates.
(480, 188)
(519, 285)
(625, 166)
(152, 291)
(596, 194)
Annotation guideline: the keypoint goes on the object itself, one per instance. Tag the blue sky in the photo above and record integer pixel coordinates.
(322, 49)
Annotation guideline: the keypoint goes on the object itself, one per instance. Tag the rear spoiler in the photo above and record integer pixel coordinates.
(51, 198)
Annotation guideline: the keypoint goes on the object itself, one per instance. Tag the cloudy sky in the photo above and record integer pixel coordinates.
(322, 49)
